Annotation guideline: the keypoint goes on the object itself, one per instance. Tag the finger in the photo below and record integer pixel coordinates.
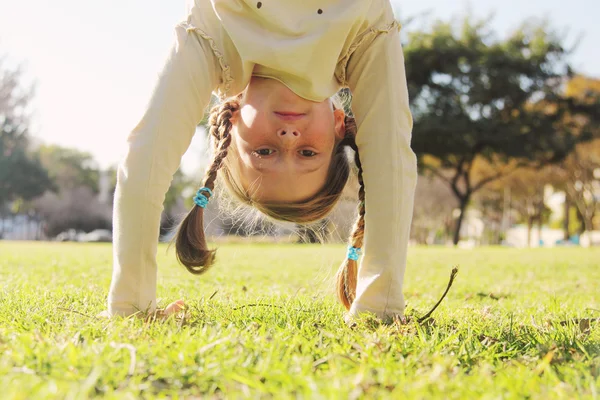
(174, 307)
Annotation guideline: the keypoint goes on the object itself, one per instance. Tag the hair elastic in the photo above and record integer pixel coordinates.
(200, 198)
(354, 253)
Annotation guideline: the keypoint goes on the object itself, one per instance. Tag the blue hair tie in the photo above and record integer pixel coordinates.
(353, 253)
(200, 198)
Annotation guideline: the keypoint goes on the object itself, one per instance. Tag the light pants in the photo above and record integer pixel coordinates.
(155, 148)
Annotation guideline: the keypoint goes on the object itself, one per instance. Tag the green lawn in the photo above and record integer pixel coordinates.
(264, 323)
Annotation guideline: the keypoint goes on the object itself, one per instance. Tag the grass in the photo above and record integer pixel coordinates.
(264, 324)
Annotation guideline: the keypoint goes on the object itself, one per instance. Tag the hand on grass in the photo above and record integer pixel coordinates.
(172, 309)
(160, 314)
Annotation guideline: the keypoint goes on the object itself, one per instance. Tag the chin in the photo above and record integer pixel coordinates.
(284, 197)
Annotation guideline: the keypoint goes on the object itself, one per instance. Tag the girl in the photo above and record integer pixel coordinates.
(279, 141)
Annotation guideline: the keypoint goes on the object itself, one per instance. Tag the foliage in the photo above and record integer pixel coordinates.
(264, 324)
(14, 96)
(475, 98)
(527, 195)
(76, 208)
(179, 184)
(579, 174)
(70, 168)
(580, 179)
(175, 205)
(21, 174)
(75, 203)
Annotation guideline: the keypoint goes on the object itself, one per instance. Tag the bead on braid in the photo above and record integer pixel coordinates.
(191, 248)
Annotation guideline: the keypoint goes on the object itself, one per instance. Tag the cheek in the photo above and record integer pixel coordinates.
(324, 128)
(248, 115)
(252, 128)
(324, 140)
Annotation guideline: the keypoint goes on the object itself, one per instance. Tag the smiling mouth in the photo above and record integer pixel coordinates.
(289, 115)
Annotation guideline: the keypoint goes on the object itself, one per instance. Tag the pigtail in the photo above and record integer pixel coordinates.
(348, 271)
(191, 248)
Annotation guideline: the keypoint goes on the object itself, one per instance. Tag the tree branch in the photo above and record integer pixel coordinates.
(439, 175)
(489, 179)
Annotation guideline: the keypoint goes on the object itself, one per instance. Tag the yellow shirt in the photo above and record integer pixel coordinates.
(304, 44)
(316, 47)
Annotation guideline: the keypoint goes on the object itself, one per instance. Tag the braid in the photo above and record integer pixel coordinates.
(348, 271)
(190, 243)
(220, 128)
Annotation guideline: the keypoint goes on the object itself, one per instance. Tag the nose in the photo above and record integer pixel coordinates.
(288, 134)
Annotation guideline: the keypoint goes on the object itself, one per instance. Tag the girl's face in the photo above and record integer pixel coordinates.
(283, 142)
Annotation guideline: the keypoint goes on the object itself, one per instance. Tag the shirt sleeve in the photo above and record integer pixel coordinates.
(377, 79)
(155, 147)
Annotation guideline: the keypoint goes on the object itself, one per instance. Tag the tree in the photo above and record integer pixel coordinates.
(432, 209)
(580, 171)
(14, 97)
(70, 168)
(75, 208)
(75, 203)
(21, 173)
(527, 189)
(476, 98)
(174, 203)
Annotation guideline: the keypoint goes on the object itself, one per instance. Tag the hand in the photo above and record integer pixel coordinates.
(161, 313)
(172, 309)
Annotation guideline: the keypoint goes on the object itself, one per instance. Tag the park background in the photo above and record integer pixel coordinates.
(504, 98)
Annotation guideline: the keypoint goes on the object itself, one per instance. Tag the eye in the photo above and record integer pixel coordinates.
(307, 153)
(263, 152)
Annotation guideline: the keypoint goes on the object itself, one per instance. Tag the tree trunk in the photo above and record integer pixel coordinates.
(566, 219)
(582, 222)
(448, 223)
(506, 211)
(539, 221)
(463, 206)
(529, 228)
(588, 222)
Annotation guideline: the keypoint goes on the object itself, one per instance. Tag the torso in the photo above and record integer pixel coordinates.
(300, 43)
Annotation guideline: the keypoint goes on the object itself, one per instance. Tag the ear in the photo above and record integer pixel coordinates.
(339, 126)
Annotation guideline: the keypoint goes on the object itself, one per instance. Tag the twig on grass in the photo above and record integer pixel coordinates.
(450, 282)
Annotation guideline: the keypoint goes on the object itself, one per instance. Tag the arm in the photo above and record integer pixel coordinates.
(155, 148)
(377, 80)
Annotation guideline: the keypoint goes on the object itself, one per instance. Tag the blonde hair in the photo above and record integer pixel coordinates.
(190, 242)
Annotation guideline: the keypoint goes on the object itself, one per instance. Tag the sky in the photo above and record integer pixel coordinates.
(94, 63)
